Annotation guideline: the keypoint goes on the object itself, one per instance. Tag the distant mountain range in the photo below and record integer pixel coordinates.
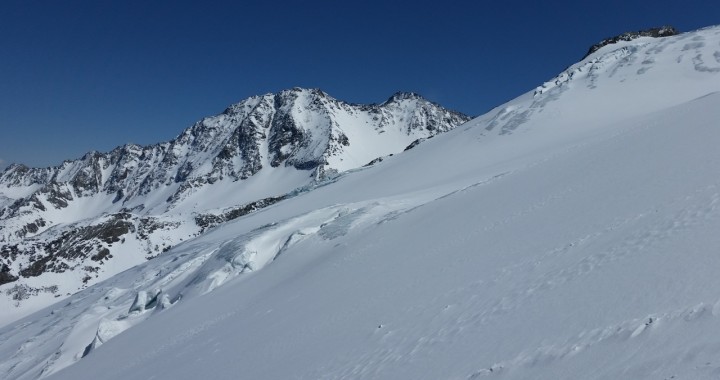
(107, 212)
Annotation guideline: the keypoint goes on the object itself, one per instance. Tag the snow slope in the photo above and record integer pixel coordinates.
(571, 233)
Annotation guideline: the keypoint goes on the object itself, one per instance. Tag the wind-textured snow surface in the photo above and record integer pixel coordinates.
(569, 234)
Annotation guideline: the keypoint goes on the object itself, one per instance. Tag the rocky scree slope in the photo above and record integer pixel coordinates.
(106, 212)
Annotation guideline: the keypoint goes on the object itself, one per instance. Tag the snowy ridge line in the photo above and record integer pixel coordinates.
(664, 31)
(617, 333)
(591, 69)
(625, 63)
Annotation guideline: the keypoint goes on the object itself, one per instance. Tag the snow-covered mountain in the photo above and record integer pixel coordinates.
(63, 228)
(571, 233)
(664, 31)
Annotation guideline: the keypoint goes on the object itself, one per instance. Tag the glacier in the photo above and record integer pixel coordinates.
(569, 233)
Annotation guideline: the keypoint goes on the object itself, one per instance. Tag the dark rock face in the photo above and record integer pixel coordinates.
(73, 245)
(211, 220)
(83, 247)
(20, 292)
(664, 31)
(30, 228)
(5, 275)
(284, 134)
(414, 144)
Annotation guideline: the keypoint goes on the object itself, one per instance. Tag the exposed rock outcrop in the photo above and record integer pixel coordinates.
(663, 31)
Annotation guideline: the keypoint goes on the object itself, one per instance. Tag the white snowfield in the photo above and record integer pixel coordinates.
(572, 233)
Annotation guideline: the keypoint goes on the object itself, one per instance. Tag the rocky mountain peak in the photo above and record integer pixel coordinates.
(306, 91)
(403, 95)
(663, 31)
(14, 168)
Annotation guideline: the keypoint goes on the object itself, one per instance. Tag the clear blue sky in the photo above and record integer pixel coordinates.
(90, 75)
